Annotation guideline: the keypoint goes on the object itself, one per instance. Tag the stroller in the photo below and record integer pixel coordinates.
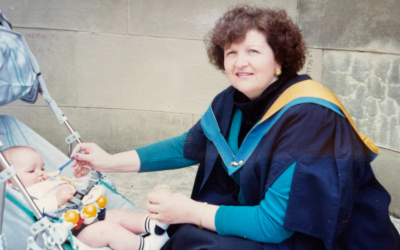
(22, 225)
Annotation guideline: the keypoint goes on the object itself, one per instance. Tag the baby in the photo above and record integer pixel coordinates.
(119, 229)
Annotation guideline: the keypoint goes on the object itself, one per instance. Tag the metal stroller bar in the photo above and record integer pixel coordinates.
(2, 194)
(42, 88)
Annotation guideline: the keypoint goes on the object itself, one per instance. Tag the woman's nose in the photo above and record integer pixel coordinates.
(241, 61)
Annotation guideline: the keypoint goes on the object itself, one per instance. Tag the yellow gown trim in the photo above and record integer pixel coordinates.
(310, 88)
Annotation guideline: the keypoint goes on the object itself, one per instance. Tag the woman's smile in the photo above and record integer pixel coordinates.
(244, 75)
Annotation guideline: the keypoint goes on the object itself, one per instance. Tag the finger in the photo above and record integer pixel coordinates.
(83, 157)
(86, 171)
(154, 197)
(76, 149)
(74, 163)
(78, 166)
(85, 147)
(152, 208)
(154, 216)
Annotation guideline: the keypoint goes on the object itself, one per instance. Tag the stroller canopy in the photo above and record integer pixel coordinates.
(19, 69)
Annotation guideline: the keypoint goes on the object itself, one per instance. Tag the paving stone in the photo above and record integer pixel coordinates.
(136, 186)
(383, 132)
(377, 87)
(394, 72)
(363, 70)
(394, 93)
(386, 168)
(351, 24)
(338, 83)
(388, 107)
(108, 16)
(371, 96)
(313, 65)
(188, 19)
(372, 107)
(381, 70)
(393, 137)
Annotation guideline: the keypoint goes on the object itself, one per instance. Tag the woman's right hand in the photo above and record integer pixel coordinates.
(93, 156)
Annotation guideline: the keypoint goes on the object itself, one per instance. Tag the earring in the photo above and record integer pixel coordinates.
(277, 72)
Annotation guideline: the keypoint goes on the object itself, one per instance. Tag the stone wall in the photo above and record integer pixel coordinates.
(131, 72)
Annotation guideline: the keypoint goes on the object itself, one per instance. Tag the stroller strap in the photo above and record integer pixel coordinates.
(21, 206)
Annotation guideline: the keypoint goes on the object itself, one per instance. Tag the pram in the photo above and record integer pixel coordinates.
(20, 78)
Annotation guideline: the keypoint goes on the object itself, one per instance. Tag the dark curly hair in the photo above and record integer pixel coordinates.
(282, 35)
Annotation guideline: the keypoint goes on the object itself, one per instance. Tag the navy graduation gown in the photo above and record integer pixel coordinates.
(335, 200)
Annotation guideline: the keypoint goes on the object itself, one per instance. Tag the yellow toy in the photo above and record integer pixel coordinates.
(89, 214)
(89, 211)
(71, 219)
(71, 216)
(101, 201)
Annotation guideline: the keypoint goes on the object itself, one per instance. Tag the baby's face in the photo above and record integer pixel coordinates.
(30, 168)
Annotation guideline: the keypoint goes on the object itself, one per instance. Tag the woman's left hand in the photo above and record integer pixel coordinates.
(171, 209)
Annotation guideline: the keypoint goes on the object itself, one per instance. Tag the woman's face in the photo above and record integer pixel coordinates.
(250, 65)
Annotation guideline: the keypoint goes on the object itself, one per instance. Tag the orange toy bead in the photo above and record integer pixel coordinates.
(89, 211)
(71, 216)
(102, 201)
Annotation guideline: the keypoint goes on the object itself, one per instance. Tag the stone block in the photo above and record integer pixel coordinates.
(387, 170)
(105, 16)
(368, 85)
(188, 19)
(351, 24)
(114, 130)
(56, 54)
(145, 73)
(313, 65)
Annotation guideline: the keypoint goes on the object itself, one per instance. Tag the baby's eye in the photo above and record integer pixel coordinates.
(31, 171)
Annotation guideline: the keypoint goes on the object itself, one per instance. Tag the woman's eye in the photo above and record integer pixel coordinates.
(230, 53)
(253, 51)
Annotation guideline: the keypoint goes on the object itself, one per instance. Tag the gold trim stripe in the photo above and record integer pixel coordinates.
(310, 88)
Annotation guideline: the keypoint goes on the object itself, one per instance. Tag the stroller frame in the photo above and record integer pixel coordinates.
(9, 171)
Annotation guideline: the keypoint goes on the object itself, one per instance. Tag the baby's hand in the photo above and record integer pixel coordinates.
(64, 195)
(81, 172)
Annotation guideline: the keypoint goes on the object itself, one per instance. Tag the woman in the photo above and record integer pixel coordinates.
(281, 164)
